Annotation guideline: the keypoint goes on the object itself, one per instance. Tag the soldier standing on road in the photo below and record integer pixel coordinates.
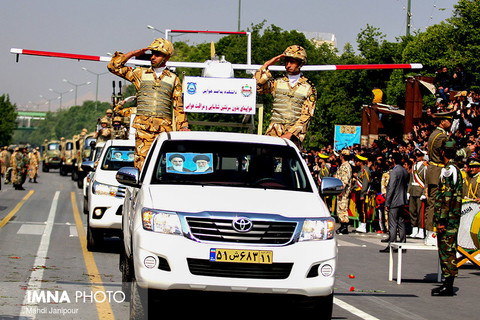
(294, 96)
(416, 190)
(435, 165)
(33, 166)
(4, 161)
(361, 190)
(19, 165)
(448, 206)
(158, 89)
(344, 173)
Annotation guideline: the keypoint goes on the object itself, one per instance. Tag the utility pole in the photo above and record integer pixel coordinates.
(409, 16)
(239, 10)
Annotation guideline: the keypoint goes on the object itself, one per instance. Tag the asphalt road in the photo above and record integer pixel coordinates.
(47, 272)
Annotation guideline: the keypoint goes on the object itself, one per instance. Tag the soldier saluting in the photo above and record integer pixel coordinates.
(294, 96)
(158, 91)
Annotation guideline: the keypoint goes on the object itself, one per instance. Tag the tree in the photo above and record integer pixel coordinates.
(8, 115)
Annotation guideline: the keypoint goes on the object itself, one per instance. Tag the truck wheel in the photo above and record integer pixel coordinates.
(126, 267)
(138, 302)
(80, 182)
(74, 175)
(321, 307)
(94, 238)
(85, 205)
(63, 171)
(45, 167)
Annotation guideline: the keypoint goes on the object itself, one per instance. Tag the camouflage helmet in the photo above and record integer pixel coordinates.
(104, 120)
(296, 52)
(117, 119)
(162, 45)
(109, 111)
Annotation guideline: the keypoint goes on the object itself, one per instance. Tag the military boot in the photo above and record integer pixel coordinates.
(343, 228)
(446, 289)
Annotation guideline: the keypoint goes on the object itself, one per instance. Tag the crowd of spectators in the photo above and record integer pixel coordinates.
(452, 96)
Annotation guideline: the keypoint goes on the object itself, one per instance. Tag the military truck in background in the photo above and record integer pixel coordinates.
(82, 151)
(67, 157)
(51, 156)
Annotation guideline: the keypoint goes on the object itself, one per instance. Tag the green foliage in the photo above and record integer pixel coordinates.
(8, 114)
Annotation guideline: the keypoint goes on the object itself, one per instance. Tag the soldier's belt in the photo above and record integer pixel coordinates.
(441, 165)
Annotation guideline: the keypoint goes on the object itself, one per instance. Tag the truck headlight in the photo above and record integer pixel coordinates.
(160, 221)
(104, 189)
(318, 229)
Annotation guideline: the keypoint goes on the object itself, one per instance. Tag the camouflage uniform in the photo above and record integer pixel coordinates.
(293, 107)
(118, 130)
(153, 115)
(105, 133)
(361, 191)
(4, 161)
(19, 165)
(33, 167)
(448, 205)
(344, 173)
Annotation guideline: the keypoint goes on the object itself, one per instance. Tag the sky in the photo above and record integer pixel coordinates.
(100, 27)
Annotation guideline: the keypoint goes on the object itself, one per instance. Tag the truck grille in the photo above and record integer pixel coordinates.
(208, 268)
(221, 230)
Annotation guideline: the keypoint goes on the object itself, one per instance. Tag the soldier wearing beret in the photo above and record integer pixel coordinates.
(158, 91)
(294, 96)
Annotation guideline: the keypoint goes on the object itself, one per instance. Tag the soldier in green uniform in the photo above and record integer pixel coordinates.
(473, 190)
(362, 186)
(158, 92)
(345, 174)
(448, 206)
(435, 165)
(294, 96)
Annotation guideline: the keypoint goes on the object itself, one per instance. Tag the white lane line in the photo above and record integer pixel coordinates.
(359, 313)
(36, 277)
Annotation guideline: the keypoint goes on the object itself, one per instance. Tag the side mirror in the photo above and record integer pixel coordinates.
(128, 176)
(331, 186)
(88, 166)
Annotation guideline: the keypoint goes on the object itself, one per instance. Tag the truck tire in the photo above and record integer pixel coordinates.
(320, 307)
(138, 302)
(126, 267)
(94, 238)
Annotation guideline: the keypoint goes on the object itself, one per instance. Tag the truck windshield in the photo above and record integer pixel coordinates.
(117, 157)
(230, 164)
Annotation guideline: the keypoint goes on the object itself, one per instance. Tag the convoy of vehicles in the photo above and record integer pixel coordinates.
(250, 217)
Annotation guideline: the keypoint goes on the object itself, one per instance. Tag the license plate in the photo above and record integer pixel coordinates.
(243, 256)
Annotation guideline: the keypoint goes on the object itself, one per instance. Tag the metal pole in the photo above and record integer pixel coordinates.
(239, 10)
(96, 93)
(409, 16)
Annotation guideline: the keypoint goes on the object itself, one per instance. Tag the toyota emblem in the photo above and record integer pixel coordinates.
(242, 224)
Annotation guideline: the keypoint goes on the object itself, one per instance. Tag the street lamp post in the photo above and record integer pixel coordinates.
(96, 90)
(60, 94)
(76, 87)
(49, 101)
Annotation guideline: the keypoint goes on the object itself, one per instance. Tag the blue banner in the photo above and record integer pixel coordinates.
(346, 136)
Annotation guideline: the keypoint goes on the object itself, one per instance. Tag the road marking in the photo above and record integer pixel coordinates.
(73, 232)
(34, 229)
(15, 210)
(359, 313)
(103, 308)
(36, 277)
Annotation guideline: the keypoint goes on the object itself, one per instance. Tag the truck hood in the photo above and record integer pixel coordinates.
(106, 177)
(181, 198)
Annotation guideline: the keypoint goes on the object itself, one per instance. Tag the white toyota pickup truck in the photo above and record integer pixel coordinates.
(226, 212)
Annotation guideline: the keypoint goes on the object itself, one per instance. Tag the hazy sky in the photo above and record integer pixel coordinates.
(98, 27)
